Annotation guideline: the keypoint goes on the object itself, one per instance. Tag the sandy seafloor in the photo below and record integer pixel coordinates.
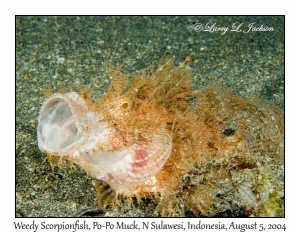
(56, 53)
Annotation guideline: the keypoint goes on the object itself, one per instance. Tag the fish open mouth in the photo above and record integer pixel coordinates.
(57, 127)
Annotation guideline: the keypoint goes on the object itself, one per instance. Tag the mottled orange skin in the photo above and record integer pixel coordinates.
(163, 98)
(215, 135)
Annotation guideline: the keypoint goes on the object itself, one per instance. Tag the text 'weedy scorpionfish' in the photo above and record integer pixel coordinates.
(153, 136)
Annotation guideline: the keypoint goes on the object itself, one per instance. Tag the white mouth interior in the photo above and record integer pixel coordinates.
(57, 127)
